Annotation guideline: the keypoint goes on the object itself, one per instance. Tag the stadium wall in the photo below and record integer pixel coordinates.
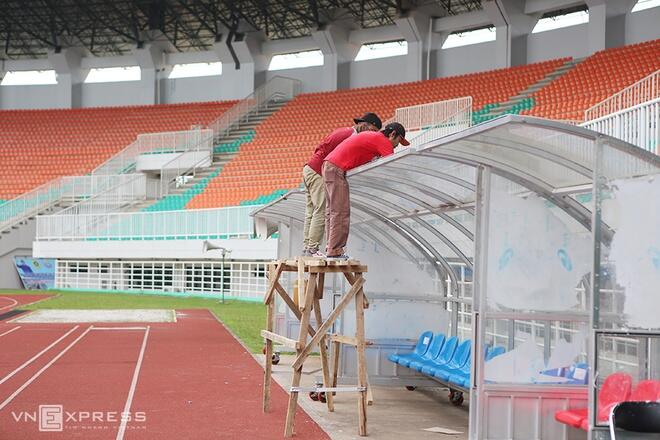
(576, 41)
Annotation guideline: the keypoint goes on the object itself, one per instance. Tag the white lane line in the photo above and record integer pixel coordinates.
(36, 356)
(118, 328)
(44, 368)
(10, 305)
(131, 392)
(9, 331)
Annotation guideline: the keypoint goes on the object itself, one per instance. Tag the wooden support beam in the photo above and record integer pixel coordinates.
(292, 306)
(328, 323)
(297, 371)
(323, 350)
(351, 279)
(274, 277)
(349, 340)
(361, 359)
(288, 343)
(320, 286)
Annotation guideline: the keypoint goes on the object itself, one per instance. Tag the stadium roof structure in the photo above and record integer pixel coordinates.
(31, 28)
(420, 203)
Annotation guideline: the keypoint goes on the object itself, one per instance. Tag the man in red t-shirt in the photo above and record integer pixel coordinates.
(353, 152)
(315, 210)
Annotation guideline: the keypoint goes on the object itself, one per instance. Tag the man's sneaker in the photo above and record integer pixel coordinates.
(319, 254)
(342, 257)
(306, 253)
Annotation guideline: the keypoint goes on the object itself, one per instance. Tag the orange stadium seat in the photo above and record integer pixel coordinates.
(273, 160)
(39, 145)
(594, 79)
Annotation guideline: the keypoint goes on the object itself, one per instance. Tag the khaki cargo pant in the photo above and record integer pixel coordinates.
(315, 210)
(338, 212)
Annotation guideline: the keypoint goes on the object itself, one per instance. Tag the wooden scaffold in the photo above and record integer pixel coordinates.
(316, 269)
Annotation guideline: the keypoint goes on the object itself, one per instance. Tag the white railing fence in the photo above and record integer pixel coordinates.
(180, 166)
(148, 143)
(638, 125)
(70, 189)
(129, 189)
(231, 222)
(424, 116)
(429, 122)
(644, 90)
(278, 88)
(244, 280)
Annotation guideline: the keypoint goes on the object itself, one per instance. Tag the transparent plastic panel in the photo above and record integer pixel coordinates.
(458, 184)
(506, 154)
(388, 189)
(537, 257)
(537, 352)
(411, 279)
(630, 266)
(456, 236)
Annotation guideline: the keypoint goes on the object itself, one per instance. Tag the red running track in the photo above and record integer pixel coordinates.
(9, 302)
(189, 379)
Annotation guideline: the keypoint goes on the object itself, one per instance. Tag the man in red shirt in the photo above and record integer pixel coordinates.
(353, 152)
(315, 211)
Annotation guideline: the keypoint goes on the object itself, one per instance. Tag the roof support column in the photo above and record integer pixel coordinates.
(243, 63)
(66, 64)
(151, 60)
(607, 23)
(512, 26)
(338, 53)
(416, 27)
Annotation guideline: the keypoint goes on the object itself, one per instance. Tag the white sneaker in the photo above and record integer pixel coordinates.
(342, 257)
(319, 254)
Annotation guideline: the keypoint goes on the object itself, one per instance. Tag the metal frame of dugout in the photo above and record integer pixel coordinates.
(565, 270)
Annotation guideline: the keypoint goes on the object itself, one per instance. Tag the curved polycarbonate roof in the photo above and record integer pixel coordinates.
(420, 202)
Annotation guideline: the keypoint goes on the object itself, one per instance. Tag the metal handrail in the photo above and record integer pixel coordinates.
(165, 169)
(113, 197)
(277, 88)
(73, 188)
(448, 117)
(125, 160)
(638, 125)
(644, 90)
(232, 221)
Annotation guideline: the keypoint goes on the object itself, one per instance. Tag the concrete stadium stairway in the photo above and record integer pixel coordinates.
(226, 147)
(524, 99)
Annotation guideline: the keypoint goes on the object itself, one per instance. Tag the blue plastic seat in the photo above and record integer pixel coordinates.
(462, 376)
(461, 356)
(422, 346)
(494, 352)
(431, 353)
(447, 352)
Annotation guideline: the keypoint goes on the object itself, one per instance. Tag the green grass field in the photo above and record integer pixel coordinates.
(245, 319)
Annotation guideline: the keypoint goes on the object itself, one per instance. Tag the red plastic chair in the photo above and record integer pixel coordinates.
(646, 391)
(615, 389)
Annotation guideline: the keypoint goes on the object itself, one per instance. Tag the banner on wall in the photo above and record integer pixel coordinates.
(36, 273)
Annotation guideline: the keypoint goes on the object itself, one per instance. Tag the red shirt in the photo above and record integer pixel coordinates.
(360, 149)
(326, 146)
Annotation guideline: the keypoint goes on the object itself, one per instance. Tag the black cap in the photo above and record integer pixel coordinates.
(371, 118)
(398, 129)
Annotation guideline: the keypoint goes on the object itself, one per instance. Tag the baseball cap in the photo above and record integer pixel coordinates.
(371, 118)
(398, 129)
